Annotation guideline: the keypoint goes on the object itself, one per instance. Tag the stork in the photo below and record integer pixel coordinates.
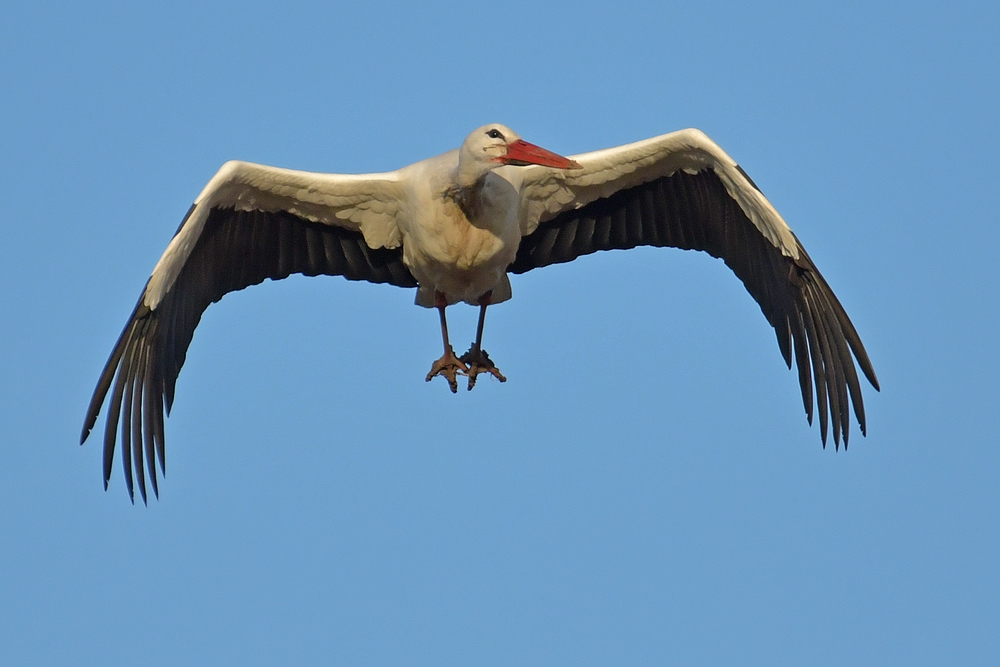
(454, 226)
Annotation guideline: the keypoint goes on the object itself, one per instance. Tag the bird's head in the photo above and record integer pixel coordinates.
(493, 145)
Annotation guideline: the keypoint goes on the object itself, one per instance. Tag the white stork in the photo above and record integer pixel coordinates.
(454, 226)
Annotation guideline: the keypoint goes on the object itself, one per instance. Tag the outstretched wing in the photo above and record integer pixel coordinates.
(250, 223)
(681, 190)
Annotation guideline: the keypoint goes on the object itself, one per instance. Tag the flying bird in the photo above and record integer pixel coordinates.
(453, 227)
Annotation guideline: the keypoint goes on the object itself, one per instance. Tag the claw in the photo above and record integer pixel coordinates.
(448, 366)
(479, 362)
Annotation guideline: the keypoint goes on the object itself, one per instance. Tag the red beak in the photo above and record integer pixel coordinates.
(522, 153)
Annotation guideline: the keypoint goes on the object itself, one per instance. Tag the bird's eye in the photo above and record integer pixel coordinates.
(494, 134)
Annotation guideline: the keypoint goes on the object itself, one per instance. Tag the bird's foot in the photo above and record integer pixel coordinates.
(479, 362)
(448, 367)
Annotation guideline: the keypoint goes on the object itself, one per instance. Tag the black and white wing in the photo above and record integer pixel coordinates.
(251, 222)
(682, 190)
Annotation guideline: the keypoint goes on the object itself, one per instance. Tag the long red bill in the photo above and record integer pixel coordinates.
(522, 153)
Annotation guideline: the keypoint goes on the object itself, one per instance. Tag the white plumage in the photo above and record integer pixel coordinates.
(454, 226)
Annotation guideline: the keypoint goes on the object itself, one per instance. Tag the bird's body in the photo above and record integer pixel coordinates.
(456, 240)
(454, 226)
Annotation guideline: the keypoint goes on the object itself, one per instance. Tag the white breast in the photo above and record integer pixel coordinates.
(461, 245)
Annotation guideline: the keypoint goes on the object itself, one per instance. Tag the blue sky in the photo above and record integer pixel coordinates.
(644, 489)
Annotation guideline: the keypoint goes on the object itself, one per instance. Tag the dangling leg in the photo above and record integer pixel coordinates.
(476, 357)
(448, 365)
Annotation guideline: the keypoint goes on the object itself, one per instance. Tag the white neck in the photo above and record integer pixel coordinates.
(472, 168)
